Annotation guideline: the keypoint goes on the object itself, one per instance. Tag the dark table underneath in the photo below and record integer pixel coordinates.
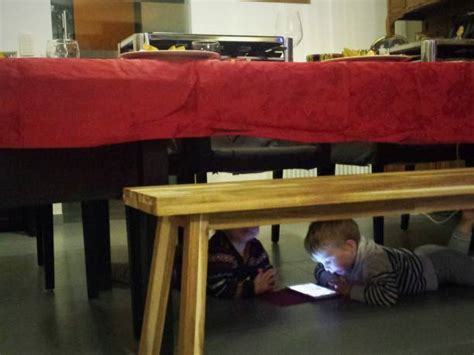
(101, 107)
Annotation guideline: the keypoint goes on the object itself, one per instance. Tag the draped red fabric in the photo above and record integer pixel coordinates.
(58, 103)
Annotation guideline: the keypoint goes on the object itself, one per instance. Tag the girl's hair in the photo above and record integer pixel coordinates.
(325, 233)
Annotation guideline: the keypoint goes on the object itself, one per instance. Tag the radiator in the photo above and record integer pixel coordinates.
(340, 170)
(289, 173)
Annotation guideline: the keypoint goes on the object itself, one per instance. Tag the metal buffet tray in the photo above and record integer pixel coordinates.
(272, 48)
(444, 49)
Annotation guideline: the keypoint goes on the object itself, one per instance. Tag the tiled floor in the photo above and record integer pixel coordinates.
(66, 322)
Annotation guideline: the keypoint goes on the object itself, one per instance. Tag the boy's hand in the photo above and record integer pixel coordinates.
(264, 281)
(341, 285)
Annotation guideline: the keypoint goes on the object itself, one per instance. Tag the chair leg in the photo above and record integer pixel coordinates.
(95, 222)
(323, 170)
(201, 178)
(105, 249)
(277, 174)
(45, 226)
(378, 221)
(29, 217)
(471, 248)
(405, 221)
(275, 233)
(39, 236)
(327, 170)
(185, 178)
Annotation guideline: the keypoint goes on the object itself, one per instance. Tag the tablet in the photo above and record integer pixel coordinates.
(313, 290)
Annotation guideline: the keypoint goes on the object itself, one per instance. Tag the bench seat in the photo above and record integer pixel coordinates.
(202, 207)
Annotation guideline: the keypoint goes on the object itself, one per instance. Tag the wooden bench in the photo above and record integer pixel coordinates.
(202, 207)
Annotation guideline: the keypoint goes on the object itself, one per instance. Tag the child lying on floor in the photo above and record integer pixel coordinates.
(238, 264)
(367, 272)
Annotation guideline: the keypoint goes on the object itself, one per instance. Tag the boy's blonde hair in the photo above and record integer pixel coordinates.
(325, 233)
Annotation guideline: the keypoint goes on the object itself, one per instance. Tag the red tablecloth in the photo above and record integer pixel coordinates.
(85, 102)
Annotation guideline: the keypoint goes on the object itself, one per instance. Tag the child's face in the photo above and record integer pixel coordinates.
(243, 234)
(338, 259)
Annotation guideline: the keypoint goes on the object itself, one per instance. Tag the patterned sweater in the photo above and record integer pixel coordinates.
(229, 274)
(381, 275)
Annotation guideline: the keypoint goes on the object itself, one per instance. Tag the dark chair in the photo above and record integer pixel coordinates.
(34, 221)
(95, 223)
(240, 155)
(379, 155)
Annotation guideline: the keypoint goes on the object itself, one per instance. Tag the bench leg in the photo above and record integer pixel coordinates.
(141, 229)
(193, 287)
(158, 288)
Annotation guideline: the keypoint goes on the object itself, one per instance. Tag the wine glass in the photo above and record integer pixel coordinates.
(62, 48)
(289, 24)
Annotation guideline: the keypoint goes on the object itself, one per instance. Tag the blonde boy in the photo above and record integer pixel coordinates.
(367, 272)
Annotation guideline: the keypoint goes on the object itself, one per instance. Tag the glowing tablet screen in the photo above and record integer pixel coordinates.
(313, 290)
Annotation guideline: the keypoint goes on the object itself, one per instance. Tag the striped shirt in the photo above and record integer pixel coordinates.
(381, 275)
(405, 278)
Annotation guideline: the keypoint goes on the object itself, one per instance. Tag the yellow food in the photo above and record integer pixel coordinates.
(178, 48)
(149, 47)
(347, 52)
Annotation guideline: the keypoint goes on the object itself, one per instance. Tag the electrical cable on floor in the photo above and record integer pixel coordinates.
(453, 213)
(442, 221)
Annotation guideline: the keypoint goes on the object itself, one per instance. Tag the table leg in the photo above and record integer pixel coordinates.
(158, 288)
(193, 287)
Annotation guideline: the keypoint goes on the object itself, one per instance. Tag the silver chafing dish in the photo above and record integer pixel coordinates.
(441, 49)
(266, 48)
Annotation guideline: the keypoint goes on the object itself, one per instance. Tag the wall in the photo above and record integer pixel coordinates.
(165, 17)
(1, 25)
(328, 25)
(19, 16)
(102, 24)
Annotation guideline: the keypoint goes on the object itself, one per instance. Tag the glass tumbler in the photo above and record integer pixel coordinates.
(62, 48)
